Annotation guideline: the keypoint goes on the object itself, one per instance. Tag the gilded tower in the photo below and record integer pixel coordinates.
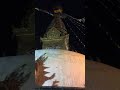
(56, 36)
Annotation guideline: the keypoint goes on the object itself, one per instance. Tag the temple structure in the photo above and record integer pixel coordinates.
(56, 36)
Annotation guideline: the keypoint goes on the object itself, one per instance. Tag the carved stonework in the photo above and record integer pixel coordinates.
(53, 33)
(56, 36)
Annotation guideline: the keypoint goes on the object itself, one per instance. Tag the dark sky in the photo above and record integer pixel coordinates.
(12, 13)
(101, 16)
(71, 7)
(44, 20)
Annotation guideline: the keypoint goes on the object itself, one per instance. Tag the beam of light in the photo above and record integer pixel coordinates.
(75, 34)
(44, 11)
(77, 27)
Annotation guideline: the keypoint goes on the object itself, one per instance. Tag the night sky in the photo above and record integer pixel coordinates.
(12, 13)
(43, 20)
(101, 17)
(99, 21)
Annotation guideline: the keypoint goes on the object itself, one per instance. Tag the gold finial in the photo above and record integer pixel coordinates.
(58, 9)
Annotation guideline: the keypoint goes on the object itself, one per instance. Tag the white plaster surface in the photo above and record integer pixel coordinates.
(69, 67)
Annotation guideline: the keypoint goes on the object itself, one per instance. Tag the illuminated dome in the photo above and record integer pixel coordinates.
(59, 68)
